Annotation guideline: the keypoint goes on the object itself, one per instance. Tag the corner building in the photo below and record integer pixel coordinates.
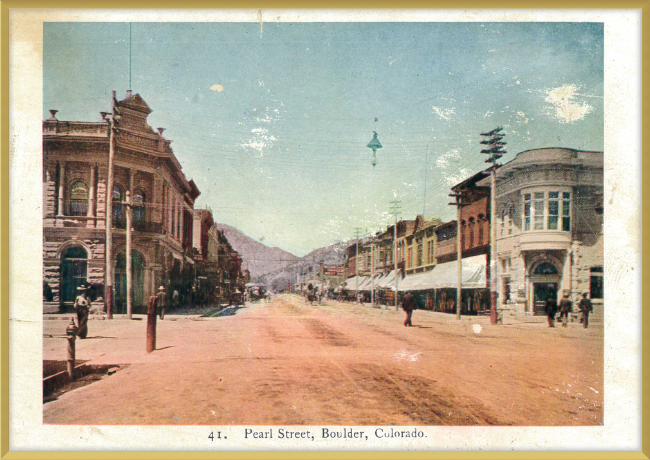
(549, 209)
(75, 176)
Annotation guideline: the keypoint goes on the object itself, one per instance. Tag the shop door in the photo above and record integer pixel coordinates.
(543, 291)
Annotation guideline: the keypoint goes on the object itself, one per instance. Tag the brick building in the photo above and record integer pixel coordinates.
(75, 174)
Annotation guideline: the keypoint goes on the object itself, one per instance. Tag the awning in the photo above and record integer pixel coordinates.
(351, 283)
(367, 283)
(446, 276)
(416, 282)
(389, 280)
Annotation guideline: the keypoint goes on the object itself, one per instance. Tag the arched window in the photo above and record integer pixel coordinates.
(74, 268)
(471, 232)
(78, 198)
(545, 268)
(139, 214)
(511, 215)
(118, 207)
(504, 219)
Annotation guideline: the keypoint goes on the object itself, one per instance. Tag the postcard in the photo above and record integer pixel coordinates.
(325, 230)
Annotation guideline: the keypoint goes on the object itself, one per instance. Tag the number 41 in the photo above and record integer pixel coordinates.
(212, 436)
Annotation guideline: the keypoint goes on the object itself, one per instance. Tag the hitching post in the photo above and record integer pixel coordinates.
(71, 332)
(151, 324)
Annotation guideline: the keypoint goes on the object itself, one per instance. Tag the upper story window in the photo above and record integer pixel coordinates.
(507, 223)
(547, 211)
(419, 261)
(139, 213)
(118, 207)
(78, 198)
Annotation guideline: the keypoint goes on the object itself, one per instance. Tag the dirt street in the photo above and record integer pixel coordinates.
(290, 363)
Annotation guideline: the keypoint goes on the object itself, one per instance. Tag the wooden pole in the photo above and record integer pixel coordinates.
(129, 259)
(459, 256)
(108, 275)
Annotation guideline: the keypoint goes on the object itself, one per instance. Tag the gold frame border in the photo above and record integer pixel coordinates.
(6, 5)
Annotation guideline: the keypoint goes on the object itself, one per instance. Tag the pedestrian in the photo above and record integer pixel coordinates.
(176, 299)
(82, 305)
(551, 310)
(585, 307)
(408, 305)
(565, 309)
(162, 301)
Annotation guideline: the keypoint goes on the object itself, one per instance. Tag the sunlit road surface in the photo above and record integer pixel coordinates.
(290, 363)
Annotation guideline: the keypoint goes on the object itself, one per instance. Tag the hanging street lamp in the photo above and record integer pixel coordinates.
(374, 145)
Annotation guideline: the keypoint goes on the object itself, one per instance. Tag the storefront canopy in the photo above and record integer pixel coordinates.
(351, 283)
(389, 280)
(446, 276)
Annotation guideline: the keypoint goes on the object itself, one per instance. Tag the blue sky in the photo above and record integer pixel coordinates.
(272, 123)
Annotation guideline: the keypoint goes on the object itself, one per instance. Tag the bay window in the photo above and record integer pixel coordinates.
(543, 209)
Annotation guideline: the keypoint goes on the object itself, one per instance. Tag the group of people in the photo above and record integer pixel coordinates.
(565, 307)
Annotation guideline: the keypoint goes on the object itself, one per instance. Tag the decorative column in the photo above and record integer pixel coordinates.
(169, 210)
(91, 197)
(61, 202)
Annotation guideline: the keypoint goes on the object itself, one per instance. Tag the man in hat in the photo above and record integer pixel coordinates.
(162, 301)
(565, 308)
(408, 305)
(585, 307)
(82, 305)
(551, 310)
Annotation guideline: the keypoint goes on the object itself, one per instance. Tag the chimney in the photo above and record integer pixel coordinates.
(53, 113)
(160, 131)
(128, 94)
(113, 100)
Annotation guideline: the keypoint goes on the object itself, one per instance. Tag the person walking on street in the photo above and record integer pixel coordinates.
(82, 305)
(565, 309)
(176, 299)
(408, 305)
(551, 310)
(586, 307)
(162, 301)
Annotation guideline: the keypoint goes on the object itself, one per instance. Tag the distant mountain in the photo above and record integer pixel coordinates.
(258, 258)
(280, 279)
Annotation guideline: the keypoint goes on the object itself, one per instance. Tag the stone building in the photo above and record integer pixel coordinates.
(549, 228)
(75, 174)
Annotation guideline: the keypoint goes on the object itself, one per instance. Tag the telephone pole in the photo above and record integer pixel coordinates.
(494, 148)
(108, 272)
(459, 251)
(395, 209)
(357, 234)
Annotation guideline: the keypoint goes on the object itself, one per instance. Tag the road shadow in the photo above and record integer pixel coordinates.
(164, 348)
(421, 327)
(97, 337)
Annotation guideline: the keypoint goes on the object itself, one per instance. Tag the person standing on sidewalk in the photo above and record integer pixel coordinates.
(585, 307)
(551, 310)
(408, 305)
(82, 305)
(162, 301)
(565, 309)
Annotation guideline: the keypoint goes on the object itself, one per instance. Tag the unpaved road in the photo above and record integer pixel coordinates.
(290, 363)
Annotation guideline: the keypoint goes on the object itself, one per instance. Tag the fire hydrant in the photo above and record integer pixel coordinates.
(71, 332)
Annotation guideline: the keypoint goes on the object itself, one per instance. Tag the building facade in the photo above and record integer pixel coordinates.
(549, 228)
(75, 178)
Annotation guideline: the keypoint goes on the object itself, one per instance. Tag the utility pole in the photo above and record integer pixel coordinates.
(357, 234)
(424, 200)
(372, 272)
(494, 148)
(459, 252)
(129, 258)
(395, 208)
(108, 272)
